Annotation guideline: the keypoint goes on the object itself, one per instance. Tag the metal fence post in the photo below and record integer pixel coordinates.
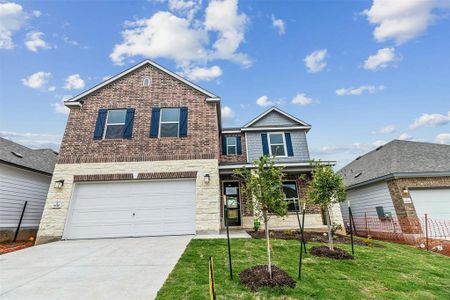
(367, 225)
(426, 231)
(20, 221)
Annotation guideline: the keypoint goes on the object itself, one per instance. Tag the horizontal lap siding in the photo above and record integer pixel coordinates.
(16, 187)
(365, 199)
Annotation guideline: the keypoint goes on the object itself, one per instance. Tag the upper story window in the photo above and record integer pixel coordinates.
(147, 81)
(170, 122)
(277, 144)
(115, 123)
(231, 145)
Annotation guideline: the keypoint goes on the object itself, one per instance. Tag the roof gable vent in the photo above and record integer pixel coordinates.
(17, 154)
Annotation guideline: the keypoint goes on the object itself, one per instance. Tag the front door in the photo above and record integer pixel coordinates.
(232, 205)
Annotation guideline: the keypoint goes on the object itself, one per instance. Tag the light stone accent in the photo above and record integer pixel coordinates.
(207, 194)
(312, 221)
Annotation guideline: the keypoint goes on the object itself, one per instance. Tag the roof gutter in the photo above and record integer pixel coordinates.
(398, 175)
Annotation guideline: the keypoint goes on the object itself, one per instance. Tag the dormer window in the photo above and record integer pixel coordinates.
(147, 81)
(277, 144)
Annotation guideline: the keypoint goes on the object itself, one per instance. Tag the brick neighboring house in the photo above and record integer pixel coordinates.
(142, 156)
(402, 179)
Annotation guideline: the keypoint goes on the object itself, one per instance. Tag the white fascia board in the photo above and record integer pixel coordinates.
(230, 131)
(213, 99)
(120, 75)
(276, 128)
(72, 104)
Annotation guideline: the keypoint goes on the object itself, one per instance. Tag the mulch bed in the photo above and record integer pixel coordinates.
(310, 236)
(11, 247)
(324, 251)
(258, 277)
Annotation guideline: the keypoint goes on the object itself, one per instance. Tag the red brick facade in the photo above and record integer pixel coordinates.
(202, 141)
(224, 159)
(129, 176)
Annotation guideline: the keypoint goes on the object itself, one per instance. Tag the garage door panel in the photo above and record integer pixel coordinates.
(434, 202)
(123, 209)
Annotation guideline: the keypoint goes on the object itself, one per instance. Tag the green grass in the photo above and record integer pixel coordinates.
(394, 272)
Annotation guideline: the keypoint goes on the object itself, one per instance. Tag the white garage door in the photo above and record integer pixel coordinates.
(131, 209)
(434, 202)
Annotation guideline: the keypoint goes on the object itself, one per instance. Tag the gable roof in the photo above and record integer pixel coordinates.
(301, 124)
(75, 100)
(398, 158)
(40, 160)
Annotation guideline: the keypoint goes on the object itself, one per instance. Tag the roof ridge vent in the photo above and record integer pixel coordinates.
(17, 154)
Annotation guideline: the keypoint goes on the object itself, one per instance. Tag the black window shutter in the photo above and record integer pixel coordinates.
(100, 124)
(129, 120)
(224, 145)
(238, 145)
(290, 150)
(154, 122)
(265, 144)
(183, 122)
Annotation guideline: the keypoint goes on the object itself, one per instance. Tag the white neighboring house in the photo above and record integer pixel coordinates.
(25, 175)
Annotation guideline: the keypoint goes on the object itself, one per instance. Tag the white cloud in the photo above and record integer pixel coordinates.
(405, 137)
(378, 143)
(227, 114)
(359, 91)
(12, 18)
(386, 129)
(381, 60)
(33, 140)
(301, 99)
(264, 101)
(279, 25)
(190, 42)
(36, 13)
(443, 138)
(59, 107)
(106, 77)
(431, 120)
(315, 62)
(74, 82)
(51, 88)
(403, 20)
(36, 80)
(206, 74)
(34, 41)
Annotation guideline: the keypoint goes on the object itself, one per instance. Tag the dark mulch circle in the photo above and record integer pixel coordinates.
(324, 251)
(257, 277)
(310, 236)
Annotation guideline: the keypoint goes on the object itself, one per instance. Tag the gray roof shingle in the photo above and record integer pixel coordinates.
(397, 157)
(42, 160)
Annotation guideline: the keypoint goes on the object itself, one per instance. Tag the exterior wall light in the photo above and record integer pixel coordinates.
(405, 192)
(206, 178)
(59, 184)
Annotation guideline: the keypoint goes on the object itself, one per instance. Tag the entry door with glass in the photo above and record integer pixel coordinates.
(232, 205)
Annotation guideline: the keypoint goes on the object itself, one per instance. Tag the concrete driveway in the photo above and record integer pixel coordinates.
(131, 268)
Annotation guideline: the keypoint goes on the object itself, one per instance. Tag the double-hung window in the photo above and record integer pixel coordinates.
(290, 190)
(169, 123)
(115, 123)
(231, 145)
(277, 144)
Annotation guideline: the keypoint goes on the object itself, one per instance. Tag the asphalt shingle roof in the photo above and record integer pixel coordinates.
(397, 157)
(42, 160)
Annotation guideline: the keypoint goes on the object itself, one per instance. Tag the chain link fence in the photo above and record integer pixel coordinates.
(422, 232)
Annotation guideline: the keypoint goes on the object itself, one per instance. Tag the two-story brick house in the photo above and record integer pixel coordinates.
(144, 154)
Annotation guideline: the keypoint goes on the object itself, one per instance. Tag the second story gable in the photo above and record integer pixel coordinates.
(144, 113)
(274, 133)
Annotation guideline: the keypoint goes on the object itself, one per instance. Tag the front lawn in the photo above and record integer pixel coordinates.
(393, 272)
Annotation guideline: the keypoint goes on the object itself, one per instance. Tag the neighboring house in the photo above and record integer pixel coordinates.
(400, 179)
(25, 176)
(141, 156)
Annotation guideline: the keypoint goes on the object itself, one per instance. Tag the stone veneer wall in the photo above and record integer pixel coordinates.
(207, 194)
(407, 209)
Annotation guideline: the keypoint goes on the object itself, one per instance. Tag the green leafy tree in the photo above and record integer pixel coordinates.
(325, 189)
(264, 185)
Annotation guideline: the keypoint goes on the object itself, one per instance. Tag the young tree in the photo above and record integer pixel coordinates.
(264, 185)
(325, 189)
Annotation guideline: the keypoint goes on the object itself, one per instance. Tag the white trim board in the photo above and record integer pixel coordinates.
(210, 96)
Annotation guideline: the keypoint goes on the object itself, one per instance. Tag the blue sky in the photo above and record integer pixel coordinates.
(361, 72)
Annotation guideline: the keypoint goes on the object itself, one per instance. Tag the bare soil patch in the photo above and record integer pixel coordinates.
(14, 246)
(324, 251)
(258, 277)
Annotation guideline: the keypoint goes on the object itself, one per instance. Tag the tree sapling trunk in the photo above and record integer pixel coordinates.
(330, 237)
(269, 266)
